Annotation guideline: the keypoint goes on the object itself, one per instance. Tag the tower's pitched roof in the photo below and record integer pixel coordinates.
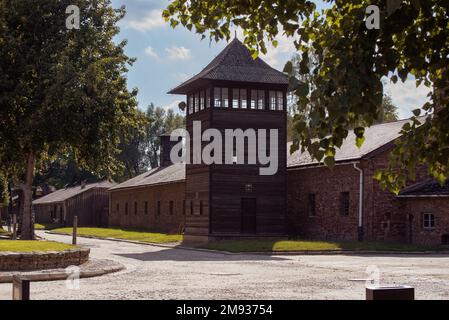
(234, 63)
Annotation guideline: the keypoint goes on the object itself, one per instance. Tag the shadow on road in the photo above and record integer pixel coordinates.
(192, 255)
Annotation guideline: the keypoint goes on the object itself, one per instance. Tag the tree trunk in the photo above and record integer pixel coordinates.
(27, 228)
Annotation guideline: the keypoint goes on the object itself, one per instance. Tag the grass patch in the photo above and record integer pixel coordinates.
(126, 234)
(46, 226)
(286, 245)
(32, 245)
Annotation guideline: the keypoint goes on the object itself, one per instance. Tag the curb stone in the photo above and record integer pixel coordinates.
(60, 274)
(270, 253)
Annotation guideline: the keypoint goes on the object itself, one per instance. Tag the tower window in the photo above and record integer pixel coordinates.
(217, 97)
(201, 207)
(118, 207)
(280, 100)
(190, 108)
(207, 98)
(243, 99)
(224, 98)
(202, 100)
(253, 99)
(135, 207)
(191, 207)
(183, 207)
(272, 100)
(197, 102)
(146, 207)
(235, 98)
(126, 208)
(261, 99)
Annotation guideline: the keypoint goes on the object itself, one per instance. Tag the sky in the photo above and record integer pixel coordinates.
(166, 57)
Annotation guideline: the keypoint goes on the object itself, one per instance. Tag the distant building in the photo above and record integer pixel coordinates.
(154, 200)
(90, 202)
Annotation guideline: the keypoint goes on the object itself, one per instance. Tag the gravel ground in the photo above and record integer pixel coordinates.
(165, 273)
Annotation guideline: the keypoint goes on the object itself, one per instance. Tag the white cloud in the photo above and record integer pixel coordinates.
(152, 20)
(149, 51)
(407, 96)
(178, 53)
(181, 76)
(277, 57)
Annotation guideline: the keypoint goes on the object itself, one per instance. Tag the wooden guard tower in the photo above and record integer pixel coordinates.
(234, 200)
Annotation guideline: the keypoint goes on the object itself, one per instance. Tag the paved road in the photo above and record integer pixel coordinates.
(164, 273)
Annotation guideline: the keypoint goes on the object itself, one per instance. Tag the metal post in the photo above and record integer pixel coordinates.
(14, 226)
(75, 226)
(20, 288)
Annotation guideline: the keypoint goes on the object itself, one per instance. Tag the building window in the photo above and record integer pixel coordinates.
(224, 98)
(135, 207)
(253, 101)
(191, 207)
(201, 207)
(344, 203)
(243, 99)
(280, 100)
(202, 100)
(207, 98)
(261, 100)
(170, 205)
(197, 102)
(118, 208)
(146, 207)
(217, 97)
(126, 208)
(272, 100)
(428, 221)
(183, 207)
(158, 208)
(190, 107)
(311, 205)
(235, 98)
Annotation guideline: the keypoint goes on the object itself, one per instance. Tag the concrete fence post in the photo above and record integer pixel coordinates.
(75, 227)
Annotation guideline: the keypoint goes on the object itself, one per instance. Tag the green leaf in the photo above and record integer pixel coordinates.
(288, 67)
(359, 141)
(329, 162)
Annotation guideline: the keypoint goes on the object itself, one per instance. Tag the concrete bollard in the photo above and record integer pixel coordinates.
(75, 226)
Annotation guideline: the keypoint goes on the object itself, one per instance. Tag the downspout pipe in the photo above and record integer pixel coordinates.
(361, 194)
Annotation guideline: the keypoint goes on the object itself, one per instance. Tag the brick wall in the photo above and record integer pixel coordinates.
(382, 218)
(163, 220)
(26, 261)
(413, 210)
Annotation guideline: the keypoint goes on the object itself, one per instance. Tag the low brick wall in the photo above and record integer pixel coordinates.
(27, 261)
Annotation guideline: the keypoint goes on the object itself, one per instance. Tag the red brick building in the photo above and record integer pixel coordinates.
(346, 203)
(425, 206)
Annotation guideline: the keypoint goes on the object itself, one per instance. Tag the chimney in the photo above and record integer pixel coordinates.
(165, 149)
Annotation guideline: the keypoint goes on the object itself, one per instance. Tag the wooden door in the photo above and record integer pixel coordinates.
(248, 215)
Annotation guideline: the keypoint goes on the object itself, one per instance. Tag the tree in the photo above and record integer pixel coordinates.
(388, 110)
(161, 122)
(354, 58)
(61, 91)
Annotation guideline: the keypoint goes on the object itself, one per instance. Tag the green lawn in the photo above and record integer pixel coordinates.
(46, 226)
(285, 246)
(32, 245)
(126, 234)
